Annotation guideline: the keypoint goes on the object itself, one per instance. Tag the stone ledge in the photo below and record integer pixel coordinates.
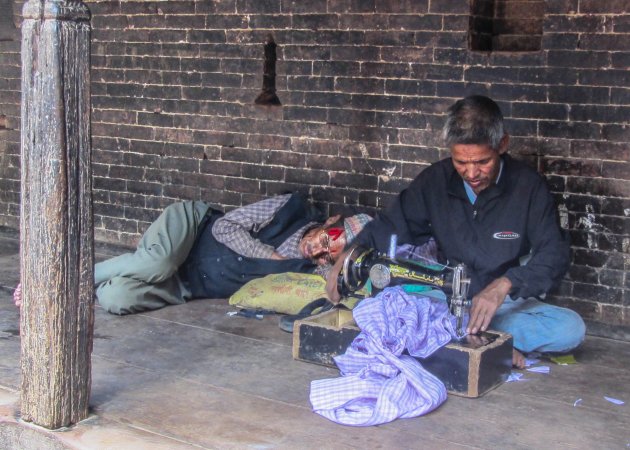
(92, 433)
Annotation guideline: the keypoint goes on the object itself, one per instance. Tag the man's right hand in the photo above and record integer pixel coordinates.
(333, 275)
(277, 256)
(486, 303)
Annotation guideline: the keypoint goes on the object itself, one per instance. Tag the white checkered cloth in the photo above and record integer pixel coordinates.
(378, 383)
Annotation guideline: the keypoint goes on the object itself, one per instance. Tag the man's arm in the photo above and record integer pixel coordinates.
(549, 261)
(333, 275)
(370, 237)
(550, 249)
(234, 229)
(406, 216)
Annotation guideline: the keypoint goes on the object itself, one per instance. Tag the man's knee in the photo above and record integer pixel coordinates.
(538, 326)
(114, 297)
(571, 331)
(163, 265)
(122, 295)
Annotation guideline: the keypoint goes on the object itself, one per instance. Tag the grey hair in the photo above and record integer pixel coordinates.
(474, 120)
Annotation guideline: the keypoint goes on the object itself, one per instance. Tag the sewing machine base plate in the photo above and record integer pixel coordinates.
(468, 368)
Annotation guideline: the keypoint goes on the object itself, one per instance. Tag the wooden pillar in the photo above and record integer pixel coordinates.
(56, 228)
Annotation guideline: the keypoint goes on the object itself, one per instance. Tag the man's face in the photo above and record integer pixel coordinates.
(478, 165)
(320, 247)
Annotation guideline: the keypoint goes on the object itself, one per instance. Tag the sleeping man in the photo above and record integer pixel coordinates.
(193, 251)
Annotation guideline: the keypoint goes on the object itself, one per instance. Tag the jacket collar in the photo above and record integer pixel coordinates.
(456, 183)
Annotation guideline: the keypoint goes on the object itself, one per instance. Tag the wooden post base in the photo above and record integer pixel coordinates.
(468, 368)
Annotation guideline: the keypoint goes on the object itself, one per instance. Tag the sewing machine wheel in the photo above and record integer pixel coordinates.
(352, 277)
(380, 275)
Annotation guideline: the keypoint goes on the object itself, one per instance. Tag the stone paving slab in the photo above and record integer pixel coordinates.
(209, 356)
(92, 433)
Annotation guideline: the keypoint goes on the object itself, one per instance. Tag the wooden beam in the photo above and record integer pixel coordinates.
(56, 225)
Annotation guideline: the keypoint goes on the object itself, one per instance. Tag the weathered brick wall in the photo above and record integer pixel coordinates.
(363, 87)
(10, 112)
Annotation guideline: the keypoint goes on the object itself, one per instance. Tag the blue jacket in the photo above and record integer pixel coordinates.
(507, 222)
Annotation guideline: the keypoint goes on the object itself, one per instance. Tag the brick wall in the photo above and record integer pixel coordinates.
(363, 86)
(10, 112)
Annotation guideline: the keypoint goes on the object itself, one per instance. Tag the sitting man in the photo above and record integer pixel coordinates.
(193, 251)
(492, 213)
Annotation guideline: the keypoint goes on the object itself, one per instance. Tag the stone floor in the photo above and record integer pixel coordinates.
(192, 377)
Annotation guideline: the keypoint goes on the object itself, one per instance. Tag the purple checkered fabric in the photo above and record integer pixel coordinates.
(379, 383)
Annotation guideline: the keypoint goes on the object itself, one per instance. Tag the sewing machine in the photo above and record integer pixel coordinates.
(362, 264)
(469, 365)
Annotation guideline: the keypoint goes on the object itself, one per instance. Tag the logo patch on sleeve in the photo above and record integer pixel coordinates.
(506, 235)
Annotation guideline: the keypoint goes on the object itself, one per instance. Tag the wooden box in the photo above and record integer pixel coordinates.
(468, 368)
(321, 337)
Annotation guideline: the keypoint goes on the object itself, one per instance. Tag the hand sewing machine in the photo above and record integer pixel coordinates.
(362, 264)
(468, 366)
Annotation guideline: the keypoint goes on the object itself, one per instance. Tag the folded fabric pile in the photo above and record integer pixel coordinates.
(379, 383)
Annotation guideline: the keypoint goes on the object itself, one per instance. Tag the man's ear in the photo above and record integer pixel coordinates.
(503, 144)
(332, 219)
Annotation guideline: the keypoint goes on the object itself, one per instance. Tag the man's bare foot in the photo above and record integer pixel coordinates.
(17, 295)
(518, 359)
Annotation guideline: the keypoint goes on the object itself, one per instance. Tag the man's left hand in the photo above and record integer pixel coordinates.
(486, 303)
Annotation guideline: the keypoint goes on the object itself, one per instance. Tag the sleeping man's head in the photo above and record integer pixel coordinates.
(324, 244)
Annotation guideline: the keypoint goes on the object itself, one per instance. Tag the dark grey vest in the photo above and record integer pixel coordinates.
(212, 270)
